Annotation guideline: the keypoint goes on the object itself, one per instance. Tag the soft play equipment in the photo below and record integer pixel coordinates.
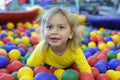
(111, 22)
(18, 16)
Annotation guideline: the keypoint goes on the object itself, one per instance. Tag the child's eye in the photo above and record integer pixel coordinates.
(49, 27)
(61, 27)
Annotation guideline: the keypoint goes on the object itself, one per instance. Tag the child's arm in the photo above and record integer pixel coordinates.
(36, 57)
(81, 62)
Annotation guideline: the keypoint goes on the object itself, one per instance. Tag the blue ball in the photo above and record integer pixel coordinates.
(4, 27)
(10, 43)
(52, 77)
(114, 63)
(87, 54)
(3, 35)
(3, 61)
(42, 76)
(101, 67)
(6, 47)
(86, 41)
(113, 48)
(108, 38)
(22, 51)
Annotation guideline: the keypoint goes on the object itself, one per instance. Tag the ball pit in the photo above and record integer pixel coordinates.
(100, 46)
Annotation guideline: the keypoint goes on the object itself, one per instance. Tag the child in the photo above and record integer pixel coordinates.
(60, 40)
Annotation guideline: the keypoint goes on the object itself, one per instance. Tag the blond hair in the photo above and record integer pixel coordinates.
(77, 36)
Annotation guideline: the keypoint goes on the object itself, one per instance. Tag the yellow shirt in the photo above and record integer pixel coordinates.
(69, 57)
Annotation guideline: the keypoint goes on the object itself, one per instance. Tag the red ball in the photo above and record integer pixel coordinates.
(93, 38)
(6, 39)
(117, 68)
(95, 72)
(102, 77)
(22, 45)
(92, 60)
(5, 76)
(86, 76)
(17, 32)
(40, 69)
(113, 32)
(3, 70)
(100, 38)
(3, 54)
(17, 65)
(34, 40)
(102, 57)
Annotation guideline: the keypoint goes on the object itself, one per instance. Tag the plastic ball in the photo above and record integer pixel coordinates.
(118, 68)
(4, 76)
(102, 77)
(58, 73)
(70, 74)
(95, 72)
(110, 43)
(100, 38)
(28, 24)
(25, 40)
(22, 45)
(93, 38)
(85, 76)
(40, 69)
(113, 63)
(116, 75)
(108, 38)
(14, 74)
(87, 54)
(42, 76)
(14, 54)
(10, 25)
(91, 44)
(52, 77)
(102, 46)
(4, 70)
(116, 38)
(27, 77)
(3, 61)
(111, 55)
(2, 35)
(110, 73)
(34, 40)
(17, 65)
(3, 51)
(101, 67)
(24, 71)
(19, 24)
(118, 56)
(22, 51)
(87, 35)
(1, 43)
(118, 45)
(6, 47)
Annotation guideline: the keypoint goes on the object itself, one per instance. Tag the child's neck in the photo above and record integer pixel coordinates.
(59, 50)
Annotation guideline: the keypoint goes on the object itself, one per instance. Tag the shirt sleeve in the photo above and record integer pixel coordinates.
(36, 57)
(81, 62)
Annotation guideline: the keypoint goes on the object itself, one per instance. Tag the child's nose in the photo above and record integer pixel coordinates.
(54, 31)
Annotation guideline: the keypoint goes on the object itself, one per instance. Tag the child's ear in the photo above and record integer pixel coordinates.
(70, 35)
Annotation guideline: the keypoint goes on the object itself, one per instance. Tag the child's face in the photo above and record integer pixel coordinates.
(57, 31)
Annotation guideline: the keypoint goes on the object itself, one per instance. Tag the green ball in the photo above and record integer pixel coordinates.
(87, 35)
(70, 74)
(14, 74)
(118, 45)
(111, 55)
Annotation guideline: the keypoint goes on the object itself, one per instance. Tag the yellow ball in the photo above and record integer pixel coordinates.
(116, 75)
(27, 77)
(25, 71)
(19, 24)
(83, 46)
(118, 56)
(3, 51)
(11, 38)
(102, 46)
(94, 33)
(110, 73)
(28, 24)
(17, 40)
(35, 26)
(1, 43)
(25, 40)
(110, 43)
(91, 44)
(35, 34)
(101, 29)
(10, 25)
(14, 54)
(116, 38)
(58, 73)
(10, 33)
